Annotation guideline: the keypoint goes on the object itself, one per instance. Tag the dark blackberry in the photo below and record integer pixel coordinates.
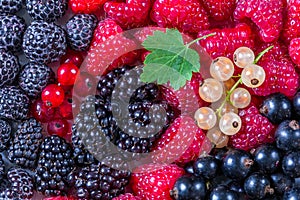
(34, 78)
(12, 29)
(98, 181)
(14, 104)
(10, 6)
(54, 164)
(9, 68)
(2, 168)
(44, 42)
(20, 185)
(48, 10)
(24, 148)
(5, 134)
(80, 29)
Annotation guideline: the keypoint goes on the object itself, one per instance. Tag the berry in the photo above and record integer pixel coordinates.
(59, 198)
(85, 84)
(257, 10)
(2, 168)
(24, 148)
(67, 73)
(80, 29)
(12, 29)
(296, 103)
(230, 123)
(288, 135)
(292, 194)
(58, 127)
(54, 164)
(131, 14)
(5, 134)
(44, 42)
(53, 95)
(253, 76)
(267, 158)
(206, 118)
(237, 164)
(223, 193)
(276, 108)
(281, 182)
(294, 50)
(292, 22)
(291, 164)
(219, 10)
(221, 69)
(86, 6)
(240, 98)
(10, 68)
(211, 90)
(257, 186)
(154, 181)
(41, 112)
(189, 187)
(14, 103)
(68, 106)
(33, 78)
(10, 6)
(243, 56)
(255, 130)
(72, 57)
(126, 196)
(207, 167)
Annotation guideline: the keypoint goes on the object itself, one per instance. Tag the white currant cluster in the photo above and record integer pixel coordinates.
(222, 91)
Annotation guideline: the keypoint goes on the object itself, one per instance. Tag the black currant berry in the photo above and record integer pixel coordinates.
(287, 135)
(267, 158)
(293, 194)
(257, 186)
(281, 182)
(206, 167)
(223, 193)
(291, 164)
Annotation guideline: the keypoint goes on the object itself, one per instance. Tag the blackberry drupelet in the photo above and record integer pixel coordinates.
(2, 168)
(23, 150)
(5, 134)
(10, 6)
(12, 29)
(14, 104)
(54, 164)
(9, 68)
(44, 42)
(46, 10)
(33, 78)
(80, 29)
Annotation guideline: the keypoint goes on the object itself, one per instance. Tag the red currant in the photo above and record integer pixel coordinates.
(41, 112)
(69, 104)
(85, 85)
(53, 95)
(58, 127)
(72, 57)
(66, 74)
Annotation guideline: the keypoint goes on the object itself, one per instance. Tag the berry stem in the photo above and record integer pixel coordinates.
(200, 38)
(262, 53)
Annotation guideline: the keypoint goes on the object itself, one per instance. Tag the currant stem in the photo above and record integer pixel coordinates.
(262, 53)
(200, 38)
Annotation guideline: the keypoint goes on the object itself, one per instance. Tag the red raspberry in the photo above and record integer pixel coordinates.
(266, 14)
(294, 51)
(279, 51)
(127, 196)
(182, 135)
(155, 181)
(227, 40)
(291, 27)
(59, 198)
(86, 6)
(256, 130)
(186, 15)
(132, 14)
(219, 9)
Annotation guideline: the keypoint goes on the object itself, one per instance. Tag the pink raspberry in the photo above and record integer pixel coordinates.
(219, 10)
(126, 196)
(292, 23)
(294, 51)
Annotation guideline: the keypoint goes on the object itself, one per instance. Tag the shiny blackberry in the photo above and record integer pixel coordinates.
(44, 42)
(5, 134)
(80, 29)
(54, 164)
(23, 150)
(46, 10)
(10, 6)
(33, 78)
(9, 67)
(2, 168)
(12, 29)
(14, 104)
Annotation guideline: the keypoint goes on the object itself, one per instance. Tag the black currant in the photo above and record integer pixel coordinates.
(296, 103)
(281, 182)
(287, 135)
(206, 167)
(267, 158)
(257, 186)
(291, 164)
(292, 194)
(223, 193)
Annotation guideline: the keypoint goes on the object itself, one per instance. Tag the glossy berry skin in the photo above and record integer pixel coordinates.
(223, 193)
(189, 188)
(66, 74)
(58, 127)
(294, 50)
(267, 158)
(69, 106)
(276, 108)
(257, 186)
(219, 10)
(292, 194)
(296, 103)
(86, 6)
(126, 196)
(237, 164)
(281, 182)
(206, 166)
(72, 57)
(291, 27)
(287, 135)
(41, 112)
(291, 164)
(53, 95)
(85, 84)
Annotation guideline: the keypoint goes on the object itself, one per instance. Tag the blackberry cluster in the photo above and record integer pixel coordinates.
(14, 104)
(9, 67)
(54, 164)
(23, 150)
(46, 10)
(44, 42)
(10, 6)
(98, 182)
(12, 29)
(80, 29)
(2, 168)
(5, 134)
(34, 78)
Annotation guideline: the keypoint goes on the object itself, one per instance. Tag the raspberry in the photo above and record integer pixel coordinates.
(291, 27)
(219, 9)
(181, 133)
(294, 51)
(126, 196)
(86, 6)
(185, 15)
(260, 12)
(59, 198)
(256, 130)
(132, 14)
(155, 181)
(227, 40)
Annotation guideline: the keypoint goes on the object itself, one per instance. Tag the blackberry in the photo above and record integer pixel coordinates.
(24, 148)
(14, 104)
(10, 6)
(2, 168)
(12, 28)
(9, 68)
(54, 164)
(5, 134)
(44, 42)
(80, 29)
(48, 10)
(34, 78)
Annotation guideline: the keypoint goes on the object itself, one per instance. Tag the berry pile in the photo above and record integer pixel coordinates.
(149, 99)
